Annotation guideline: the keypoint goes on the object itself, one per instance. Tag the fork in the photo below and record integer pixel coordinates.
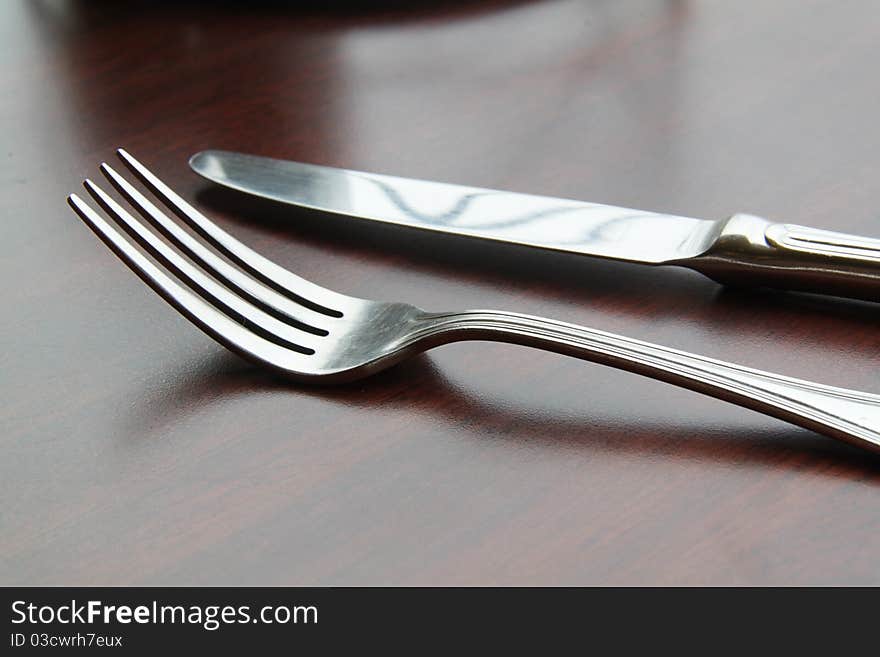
(271, 316)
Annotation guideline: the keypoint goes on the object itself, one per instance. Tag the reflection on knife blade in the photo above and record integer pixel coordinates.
(551, 223)
(743, 249)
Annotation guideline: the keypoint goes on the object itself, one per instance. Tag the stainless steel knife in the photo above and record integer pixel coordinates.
(741, 250)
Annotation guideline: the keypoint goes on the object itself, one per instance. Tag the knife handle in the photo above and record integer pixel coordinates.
(750, 250)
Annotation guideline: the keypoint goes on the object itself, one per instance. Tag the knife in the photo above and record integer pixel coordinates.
(741, 250)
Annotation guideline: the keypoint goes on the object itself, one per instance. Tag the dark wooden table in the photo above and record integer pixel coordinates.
(137, 451)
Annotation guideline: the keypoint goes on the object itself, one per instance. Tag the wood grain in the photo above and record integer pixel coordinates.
(137, 451)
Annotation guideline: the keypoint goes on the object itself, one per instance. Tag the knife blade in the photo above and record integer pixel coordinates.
(742, 249)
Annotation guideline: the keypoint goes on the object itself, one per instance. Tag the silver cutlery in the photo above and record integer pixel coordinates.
(309, 333)
(741, 250)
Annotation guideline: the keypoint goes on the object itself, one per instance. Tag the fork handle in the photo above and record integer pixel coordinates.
(845, 414)
(750, 250)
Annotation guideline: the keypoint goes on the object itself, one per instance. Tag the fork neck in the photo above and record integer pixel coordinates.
(845, 414)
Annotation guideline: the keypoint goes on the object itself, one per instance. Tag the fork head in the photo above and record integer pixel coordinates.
(246, 302)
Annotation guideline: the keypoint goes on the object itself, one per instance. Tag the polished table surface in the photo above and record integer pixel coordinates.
(137, 451)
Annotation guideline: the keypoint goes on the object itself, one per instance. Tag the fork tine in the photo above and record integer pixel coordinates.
(262, 296)
(258, 321)
(302, 291)
(212, 321)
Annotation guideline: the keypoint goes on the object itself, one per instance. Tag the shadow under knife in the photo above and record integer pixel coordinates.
(627, 287)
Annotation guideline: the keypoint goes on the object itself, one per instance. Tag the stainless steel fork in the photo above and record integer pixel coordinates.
(277, 319)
